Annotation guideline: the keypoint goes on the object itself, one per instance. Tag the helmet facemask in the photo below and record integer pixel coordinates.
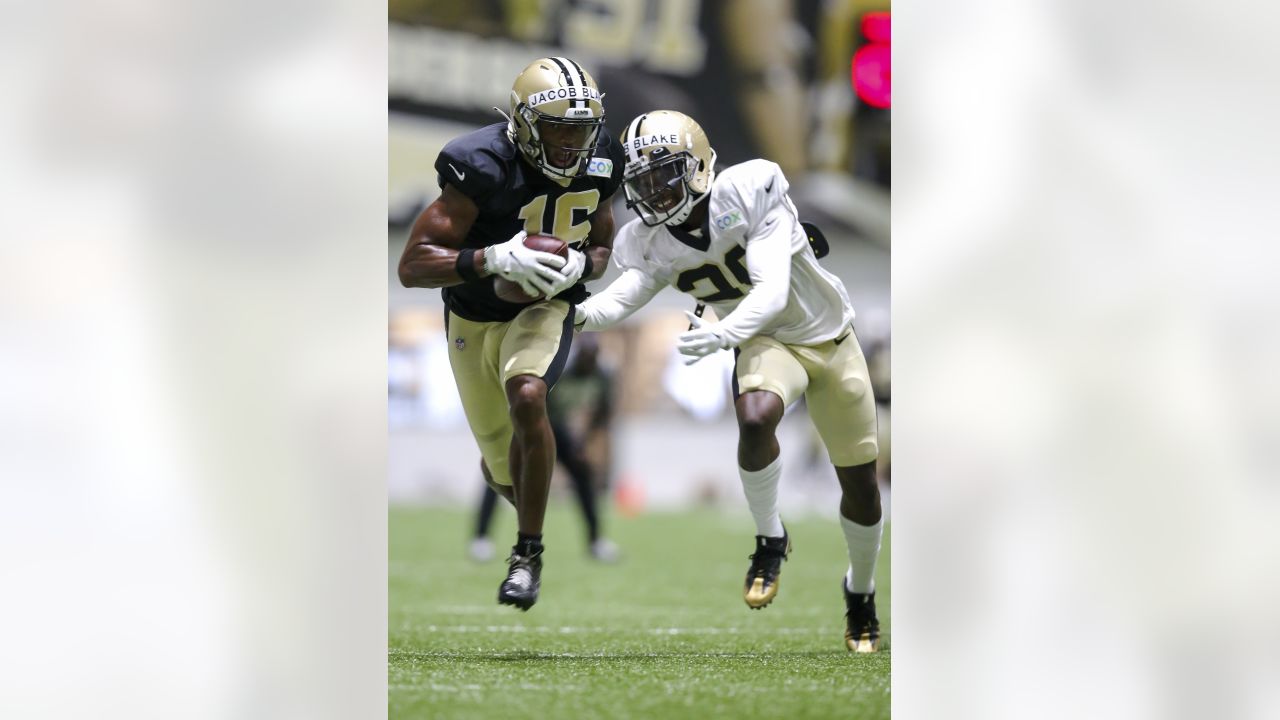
(659, 189)
(560, 147)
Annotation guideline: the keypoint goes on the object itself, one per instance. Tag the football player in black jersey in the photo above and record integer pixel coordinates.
(550, 169)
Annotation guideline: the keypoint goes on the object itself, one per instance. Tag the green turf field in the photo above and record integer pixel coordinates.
(664, 634)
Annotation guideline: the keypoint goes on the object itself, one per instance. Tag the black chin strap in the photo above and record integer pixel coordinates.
(701, 308)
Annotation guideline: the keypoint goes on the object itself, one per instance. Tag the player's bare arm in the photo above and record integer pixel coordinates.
(435, 255)
(600, 241)
(430, 257)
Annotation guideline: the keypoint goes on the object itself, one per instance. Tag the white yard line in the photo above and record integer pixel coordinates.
(573, 630)
(630, 611)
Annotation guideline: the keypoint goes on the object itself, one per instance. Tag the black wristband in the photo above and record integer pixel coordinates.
(587, 266)
(466, 265)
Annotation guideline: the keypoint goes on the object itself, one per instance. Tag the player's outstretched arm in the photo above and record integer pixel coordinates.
(769, 265)
(630, 292)
(430, 257)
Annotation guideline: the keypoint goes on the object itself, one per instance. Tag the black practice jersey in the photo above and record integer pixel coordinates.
(513, 195)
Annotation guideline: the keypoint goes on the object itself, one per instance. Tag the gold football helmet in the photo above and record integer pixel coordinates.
(556, 116)
(670, 166)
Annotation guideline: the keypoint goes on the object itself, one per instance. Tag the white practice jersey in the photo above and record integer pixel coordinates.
(756, 270)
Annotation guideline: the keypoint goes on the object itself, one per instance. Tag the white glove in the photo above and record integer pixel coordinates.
(704, 339)
(534, 286)
(517, 263)
(570, 273)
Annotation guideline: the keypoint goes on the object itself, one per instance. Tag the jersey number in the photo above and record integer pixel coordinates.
(662, 35)
(565, 225)
(688, 281)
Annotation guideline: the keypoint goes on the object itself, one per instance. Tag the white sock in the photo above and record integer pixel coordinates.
(864, 550)
(761, 488)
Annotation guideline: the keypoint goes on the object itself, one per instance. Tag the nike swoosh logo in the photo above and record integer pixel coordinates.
(843, 337)
(461, 175)
(770, 222)
(769, 187)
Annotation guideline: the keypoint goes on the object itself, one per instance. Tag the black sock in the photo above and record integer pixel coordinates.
(528, 544)
(488, 503)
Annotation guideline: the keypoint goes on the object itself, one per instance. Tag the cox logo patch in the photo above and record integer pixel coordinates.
(729, 219)
(600, 167)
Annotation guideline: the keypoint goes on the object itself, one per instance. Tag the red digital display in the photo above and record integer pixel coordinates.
(871, 70)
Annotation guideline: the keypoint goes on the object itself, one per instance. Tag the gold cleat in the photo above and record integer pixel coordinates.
(761, 586)
(864, 644)
(862, 627)
(757, 595)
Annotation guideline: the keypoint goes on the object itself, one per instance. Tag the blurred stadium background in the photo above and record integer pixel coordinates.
(765, 79)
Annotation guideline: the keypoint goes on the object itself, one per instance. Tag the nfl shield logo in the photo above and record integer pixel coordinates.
(460, 343)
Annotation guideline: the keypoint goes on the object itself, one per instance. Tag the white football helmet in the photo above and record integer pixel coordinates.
(670, 166)
(556, 116)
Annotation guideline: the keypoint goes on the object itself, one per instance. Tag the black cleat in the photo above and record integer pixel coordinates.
(862, 629)
(766, 564)
(524, 577)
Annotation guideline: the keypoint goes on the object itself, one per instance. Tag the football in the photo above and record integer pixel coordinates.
(512, 292)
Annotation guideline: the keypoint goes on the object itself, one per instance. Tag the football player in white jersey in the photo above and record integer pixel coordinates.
(733, 240)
